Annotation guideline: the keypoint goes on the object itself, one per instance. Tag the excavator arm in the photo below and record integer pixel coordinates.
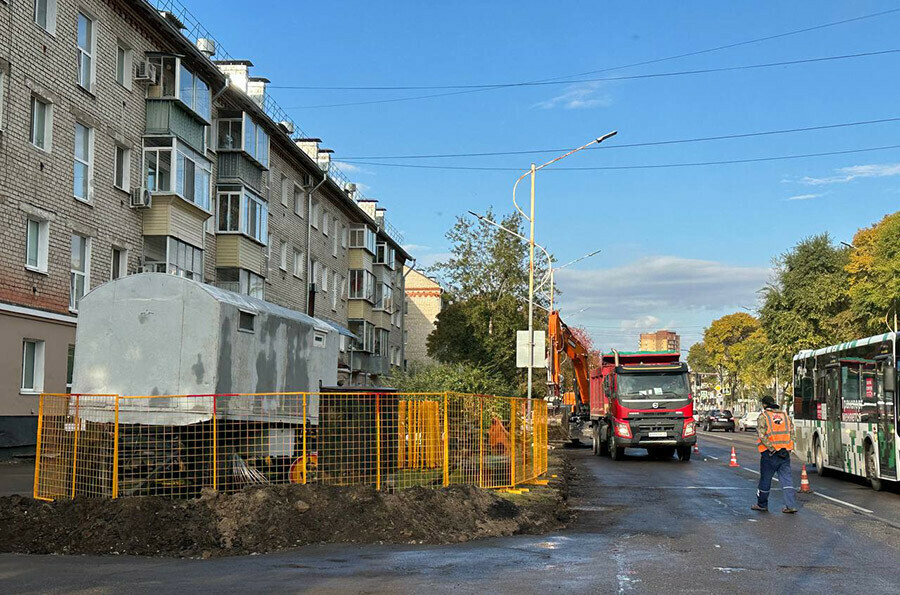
(564, 343)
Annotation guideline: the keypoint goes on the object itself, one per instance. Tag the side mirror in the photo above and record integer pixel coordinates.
(890, 379)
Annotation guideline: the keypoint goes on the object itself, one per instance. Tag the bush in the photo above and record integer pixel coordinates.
(464, 378)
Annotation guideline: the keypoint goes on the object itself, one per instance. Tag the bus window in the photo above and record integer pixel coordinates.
(851, 403)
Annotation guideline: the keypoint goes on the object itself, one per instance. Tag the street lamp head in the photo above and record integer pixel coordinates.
(606, 136)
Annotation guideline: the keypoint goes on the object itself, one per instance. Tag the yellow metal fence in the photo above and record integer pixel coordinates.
(177, 445)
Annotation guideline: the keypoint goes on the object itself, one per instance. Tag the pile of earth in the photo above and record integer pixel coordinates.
(269, 518)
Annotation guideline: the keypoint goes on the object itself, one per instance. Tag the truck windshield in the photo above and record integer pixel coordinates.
(653, 387)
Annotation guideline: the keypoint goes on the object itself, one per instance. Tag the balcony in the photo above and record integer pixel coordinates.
(171, 215)
(172, 118)
(238, 168)
(238, 251)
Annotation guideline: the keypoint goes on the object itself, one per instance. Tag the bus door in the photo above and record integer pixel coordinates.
(887, 426)
(833, 417)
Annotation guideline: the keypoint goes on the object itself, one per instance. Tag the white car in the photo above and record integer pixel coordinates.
(747, 421)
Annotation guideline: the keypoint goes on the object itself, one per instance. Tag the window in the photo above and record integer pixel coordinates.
(325, 222)
(32, 366)
(343, 288)
(247, 321)
(285, 190)
(256, 141)
(343, 236)
(381, 342)
(316, 270)
(87, 45)
(122, 168)
(255, 217)
(193, 175)
(338, 288)
(314, 214)
(384, 254)
(362, 285)
(2, 95)
(41, 124)
(299, 199)
(177, 82)
(124, 58)
(325, 279)
(230, 133)
(299, 263)
(184, 260)
(80, 270)
(365, 331)
(45, 14)
(334, 238)
(119, 263)
(240, 281)
(84, 162)
(319, 338)
(70, 368)
(158, 164)
(37, 240)
(384, 299)
(362, 237)
(282, 255)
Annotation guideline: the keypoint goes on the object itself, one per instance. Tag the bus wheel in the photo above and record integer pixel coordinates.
(874, 481)
(819, 456)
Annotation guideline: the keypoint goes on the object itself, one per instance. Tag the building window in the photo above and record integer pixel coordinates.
(229, 133)
(124, 58)
(362, 285)
(314, 214)
(282, 255)
(319, 338)
(80, 270)
(84, 162)
(246, 321)
(299, 263)
(381, 342)
(365, 331)
(325, 279)
(384, 254)
(362, 237)
(87, 47)
(122, 168)
(41, 124)
(177, 82)
(285, 190)
(2, 95)
(334, 237)
(343, 236)
(70, 368)
(316, 271)
(245, 134)
(165, 254)
(45, 14)
(254, 217)
(343, 288)
(384, 298)
(192, 177)
(119, 263)
(37, 240)
(299, 199)
(338, 288)
(240, 281)
(324, 222)
(32, 366)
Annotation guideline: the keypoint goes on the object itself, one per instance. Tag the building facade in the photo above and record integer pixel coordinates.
(127, 147)
(423, 303)
(660, 341)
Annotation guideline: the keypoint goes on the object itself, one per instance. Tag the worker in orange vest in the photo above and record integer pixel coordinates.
(774, 429)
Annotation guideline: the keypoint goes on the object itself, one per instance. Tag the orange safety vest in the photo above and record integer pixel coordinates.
(777, 428)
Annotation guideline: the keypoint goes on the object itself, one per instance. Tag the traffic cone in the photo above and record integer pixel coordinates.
(804, 482)
(733, 462)
(696, 448)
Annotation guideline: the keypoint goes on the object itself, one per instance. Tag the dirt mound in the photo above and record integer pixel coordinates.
(275, 517)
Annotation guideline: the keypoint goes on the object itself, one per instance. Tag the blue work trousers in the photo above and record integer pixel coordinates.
(771, 464)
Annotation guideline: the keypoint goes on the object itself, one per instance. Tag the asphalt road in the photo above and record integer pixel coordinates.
(643, 527)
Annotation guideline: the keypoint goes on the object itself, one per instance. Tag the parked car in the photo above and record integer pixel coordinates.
(719, 419)
(747, 421)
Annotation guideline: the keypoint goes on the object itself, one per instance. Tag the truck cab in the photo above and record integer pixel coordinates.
(642, 400)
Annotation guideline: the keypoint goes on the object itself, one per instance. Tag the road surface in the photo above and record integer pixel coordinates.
(644, 527)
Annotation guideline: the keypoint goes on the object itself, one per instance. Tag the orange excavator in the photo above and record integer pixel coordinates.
(563, 343)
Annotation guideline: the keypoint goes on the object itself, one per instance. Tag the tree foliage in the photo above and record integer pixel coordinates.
(698, 359)
(464, 378)
(873, 268)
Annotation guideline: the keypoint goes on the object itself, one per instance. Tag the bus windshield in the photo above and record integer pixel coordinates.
(646, 387)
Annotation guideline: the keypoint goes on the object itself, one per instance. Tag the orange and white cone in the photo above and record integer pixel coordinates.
(733, 462)
(804, 482)
(696, 448)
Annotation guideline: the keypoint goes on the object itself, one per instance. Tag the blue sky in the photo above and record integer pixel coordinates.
(681, 246)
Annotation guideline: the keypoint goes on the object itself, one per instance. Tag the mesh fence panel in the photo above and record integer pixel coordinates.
(178, 445)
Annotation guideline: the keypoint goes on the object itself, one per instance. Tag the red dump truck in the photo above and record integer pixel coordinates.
(642, 400)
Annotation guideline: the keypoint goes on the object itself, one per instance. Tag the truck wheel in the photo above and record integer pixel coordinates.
(615, 451)
(684, 453)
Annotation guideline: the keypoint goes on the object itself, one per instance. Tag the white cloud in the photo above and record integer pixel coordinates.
(350, 168)
(640, 323)
(848, 174)
(416, 248)
(803, 197)
(579, 96)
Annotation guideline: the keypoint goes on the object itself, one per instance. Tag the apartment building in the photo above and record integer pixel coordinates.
(424, 301)
(127, 147)
(660, 341)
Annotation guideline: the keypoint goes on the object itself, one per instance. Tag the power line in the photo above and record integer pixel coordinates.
(617, 167)
(611, 78)
(568, 76)
(644, 144)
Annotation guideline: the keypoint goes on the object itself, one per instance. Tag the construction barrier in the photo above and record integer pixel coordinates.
(178, 445)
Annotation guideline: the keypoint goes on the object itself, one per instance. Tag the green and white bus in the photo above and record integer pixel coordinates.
(846, 407)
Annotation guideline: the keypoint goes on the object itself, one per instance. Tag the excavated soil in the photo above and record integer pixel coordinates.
(270, 518)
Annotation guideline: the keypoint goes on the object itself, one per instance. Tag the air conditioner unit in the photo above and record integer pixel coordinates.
(146, 71)
(140, 198)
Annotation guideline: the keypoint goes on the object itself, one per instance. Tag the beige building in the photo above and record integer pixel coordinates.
(424, 300)
(127, 147)
(660, 341)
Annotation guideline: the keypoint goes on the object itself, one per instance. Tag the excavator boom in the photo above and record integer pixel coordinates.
(564, 343)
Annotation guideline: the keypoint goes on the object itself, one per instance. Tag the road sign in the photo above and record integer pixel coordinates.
(540, 349)
(718, 388)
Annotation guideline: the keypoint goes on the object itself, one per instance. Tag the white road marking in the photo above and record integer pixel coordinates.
(711, 457)
(750, 470)
(711, 435)
(853, 506)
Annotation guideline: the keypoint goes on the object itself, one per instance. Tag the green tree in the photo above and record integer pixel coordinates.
(464, 378)
(724, 345)
(874, 274)
(698, 358)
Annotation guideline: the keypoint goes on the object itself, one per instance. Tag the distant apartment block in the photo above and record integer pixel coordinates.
(424, 299)
(660, 341)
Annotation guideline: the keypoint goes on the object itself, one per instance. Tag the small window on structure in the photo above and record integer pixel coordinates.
(247, 321)
(319, 338)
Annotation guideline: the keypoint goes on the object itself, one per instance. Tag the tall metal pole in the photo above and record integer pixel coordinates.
(531, 293)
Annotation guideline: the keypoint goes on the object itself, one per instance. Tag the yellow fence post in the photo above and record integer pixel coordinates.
(215, 446)
(37, 452)
(377, 442)
(446, 445)
(512, 443)
(305, 456)
(115, 479)
(75, 446)
(481, 442)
